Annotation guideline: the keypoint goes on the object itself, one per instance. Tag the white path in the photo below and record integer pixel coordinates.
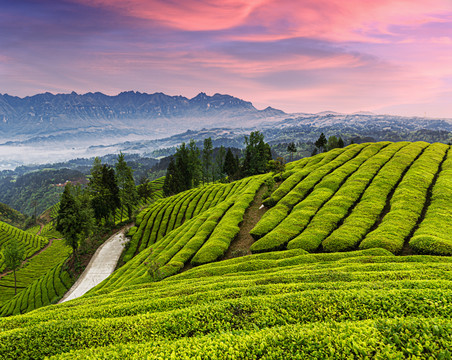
(100, 267)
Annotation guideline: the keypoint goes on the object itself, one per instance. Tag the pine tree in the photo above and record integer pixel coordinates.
(195, 165)
(257, 154)
(292, 149)
(69, 220)
(340, 143)
(127, 190)
(207, 159)
(321, 142)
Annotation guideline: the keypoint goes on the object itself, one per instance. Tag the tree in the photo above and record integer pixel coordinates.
(171, 183)
(340, 143)
(276, 166)
(183, 168)
(111, 197)
(12, 256)
(218, 172)
(321, 142)
(231, 165)
(194, 161)
(70, 219)
(292, 149)
(333, 143)
(144, 188)
(257, 154)
(127, 190)
(206, 159)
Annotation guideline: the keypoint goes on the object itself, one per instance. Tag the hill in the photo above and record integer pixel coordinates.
(313, 275)
(12, 217)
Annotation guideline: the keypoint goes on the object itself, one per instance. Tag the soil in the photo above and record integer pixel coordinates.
(241, 245)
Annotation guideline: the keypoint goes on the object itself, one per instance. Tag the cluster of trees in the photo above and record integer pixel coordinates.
(322, 144)
(191, 166)
(82, 209)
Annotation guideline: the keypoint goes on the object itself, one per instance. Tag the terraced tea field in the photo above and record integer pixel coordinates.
(378, 195)
(277, 305)
(349, 261)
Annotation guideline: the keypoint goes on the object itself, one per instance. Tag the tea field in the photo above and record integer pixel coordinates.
(348, 259)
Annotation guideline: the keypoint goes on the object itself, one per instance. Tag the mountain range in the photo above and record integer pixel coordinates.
(97, 115)
(48, 128)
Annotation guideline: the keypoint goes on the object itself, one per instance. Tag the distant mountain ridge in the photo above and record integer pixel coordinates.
(46, 114)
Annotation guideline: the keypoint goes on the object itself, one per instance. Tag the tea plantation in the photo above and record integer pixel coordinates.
(349, 259)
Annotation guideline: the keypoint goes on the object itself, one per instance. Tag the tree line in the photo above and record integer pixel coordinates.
(191, 166)
(84, 210)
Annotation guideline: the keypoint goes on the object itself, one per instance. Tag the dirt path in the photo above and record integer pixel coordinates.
(40, 229)
(101, 265)
(31, 257)
(240, 246)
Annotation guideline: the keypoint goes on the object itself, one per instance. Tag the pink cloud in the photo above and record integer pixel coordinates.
(185, 15)
(334, 20)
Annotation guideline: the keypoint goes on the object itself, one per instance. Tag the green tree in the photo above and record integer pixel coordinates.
(257, 154)
(218, 172)
(340, 143)
(104, 191)
(333, 143)
(127, 190)
(144, 188)
(195, 165)
(291, 148)
(69, 220)
(171, 184)
(207, 159)
(231, 166)
(321, 142)
(12, 256)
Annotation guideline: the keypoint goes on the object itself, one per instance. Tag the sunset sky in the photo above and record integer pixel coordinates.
(299, 56)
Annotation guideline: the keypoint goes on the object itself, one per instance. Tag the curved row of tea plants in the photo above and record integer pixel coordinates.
(29, 242)
(354, 305)
(433, 236)
(204, 238)
(287, 197)
(46, 290)
(308, 197)
(35, 268)
(168, 214)
(377, 198)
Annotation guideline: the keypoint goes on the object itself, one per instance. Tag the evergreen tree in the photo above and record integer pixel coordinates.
(219, 163)
(69, 220)
(333, 143)
(183, 168)
(291, 148)
(144, 188)
(257, 154)
(231, 165)
(127, 190)
(12, 256)
(104, 191)
(340, 143)
(195, 165)
(321, 142)
(207, 159)
(112, 198)
(170, 185)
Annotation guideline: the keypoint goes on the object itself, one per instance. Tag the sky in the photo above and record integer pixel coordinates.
(382, 56)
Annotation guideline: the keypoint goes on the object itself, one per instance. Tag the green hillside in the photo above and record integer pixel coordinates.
(347, 260)
(11, 216)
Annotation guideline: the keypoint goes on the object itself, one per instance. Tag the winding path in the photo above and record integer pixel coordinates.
(102, 264)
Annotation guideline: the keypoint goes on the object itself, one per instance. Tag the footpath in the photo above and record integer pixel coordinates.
(101, 266)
